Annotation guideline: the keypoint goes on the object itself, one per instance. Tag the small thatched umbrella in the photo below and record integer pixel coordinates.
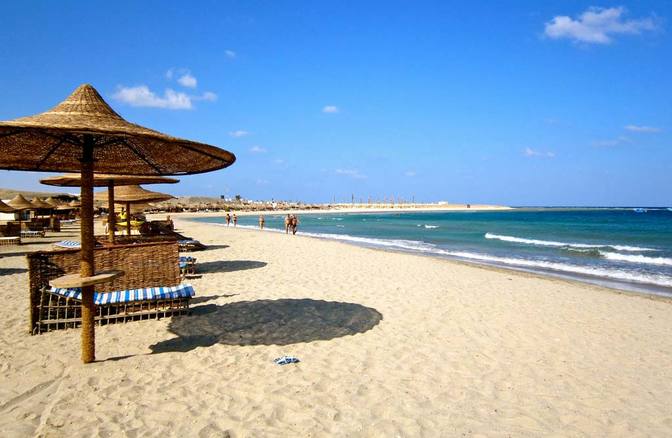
(39, 204)
(83, 134)
(51, 201)
(134, 194)
(109, 181)
(20, 204)
(4, 208)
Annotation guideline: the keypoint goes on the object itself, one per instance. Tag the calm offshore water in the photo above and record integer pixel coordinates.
(617, 248)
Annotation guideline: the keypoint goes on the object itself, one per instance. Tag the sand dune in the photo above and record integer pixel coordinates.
(390, 345)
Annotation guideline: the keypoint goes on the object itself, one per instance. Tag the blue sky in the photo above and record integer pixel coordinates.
(519, 103)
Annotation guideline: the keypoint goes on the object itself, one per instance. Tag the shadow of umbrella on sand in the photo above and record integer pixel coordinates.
(84, 134)
(268, 322)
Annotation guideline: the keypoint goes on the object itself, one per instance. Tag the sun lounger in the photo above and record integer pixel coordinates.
(187, 265)
(68, 244)
(32, 233)
(10, 241)
(149, 288)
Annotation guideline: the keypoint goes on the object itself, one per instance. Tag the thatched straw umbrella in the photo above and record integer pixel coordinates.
(84, 134)
(134, 194)
(51, 201)
(109, 181)
(4, 208)
(20, 204)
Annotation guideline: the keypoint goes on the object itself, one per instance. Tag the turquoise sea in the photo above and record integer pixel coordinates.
(619, 248)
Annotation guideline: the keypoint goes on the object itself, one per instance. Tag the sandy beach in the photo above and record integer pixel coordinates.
(390, 344)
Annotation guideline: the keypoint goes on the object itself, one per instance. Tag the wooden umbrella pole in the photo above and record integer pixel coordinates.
(111, 219)
(86, 264)
(128, 218)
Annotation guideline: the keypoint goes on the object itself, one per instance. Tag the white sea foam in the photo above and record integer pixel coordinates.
(428, 248)
(632, 258)
(614, 274)
(431, 227)
(563, 244)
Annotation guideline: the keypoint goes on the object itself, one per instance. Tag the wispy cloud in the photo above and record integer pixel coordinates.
(330, 109)
(142, 96)
(352, 173)
(598, 25)
(262, 182)
(612, 142)
(230, 54)
(187, 80)
(410, 173)
(529, 152)
(640, 128)
(258, 150)
(239, 133)
(279, 161)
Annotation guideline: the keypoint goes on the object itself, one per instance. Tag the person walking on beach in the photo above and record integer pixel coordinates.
(235, 219)
(295, 224)
(288, 222)
(228, 219)
(262, 221)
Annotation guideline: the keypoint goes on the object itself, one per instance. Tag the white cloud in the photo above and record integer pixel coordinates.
(239, 133)
(279, 161)
(529, 152)
(142, 96)
(330, 109)
(207, 96)
(639, 128)
(352, 173)
(612, 142)
(598, 25)
(258, 150)
(262, 182)
(410, 173)
(187, 80)
(230, 54)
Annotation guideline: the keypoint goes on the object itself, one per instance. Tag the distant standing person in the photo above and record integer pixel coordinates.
(228, 219)
(295, 223)
(288, 223)
(235, 219)
(262, 221)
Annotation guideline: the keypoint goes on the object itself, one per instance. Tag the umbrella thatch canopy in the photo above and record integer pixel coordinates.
(51, 201)
(110, 181)
(40, 204)
(18, 202)
(134, 195)
(84, 134)
(104, 180)
(4, 208)
(53, 141)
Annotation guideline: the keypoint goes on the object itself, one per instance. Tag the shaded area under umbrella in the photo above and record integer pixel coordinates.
(132, 194)
(109, 181)
(82, 134)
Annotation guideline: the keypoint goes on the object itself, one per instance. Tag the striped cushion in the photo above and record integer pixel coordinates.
(131, 295)
(68, 244)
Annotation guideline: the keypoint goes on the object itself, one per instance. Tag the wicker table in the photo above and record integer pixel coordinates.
(75, 280)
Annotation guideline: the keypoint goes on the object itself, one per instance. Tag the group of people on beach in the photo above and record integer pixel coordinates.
(228, 219)
(291, 223)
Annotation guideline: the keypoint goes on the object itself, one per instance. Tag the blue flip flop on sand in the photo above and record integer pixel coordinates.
(284, 360)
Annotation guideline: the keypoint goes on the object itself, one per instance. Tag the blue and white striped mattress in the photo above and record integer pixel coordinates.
(131, 295)
(68, 244)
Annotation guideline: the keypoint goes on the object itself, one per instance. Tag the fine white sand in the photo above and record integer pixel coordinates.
(390, 345)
